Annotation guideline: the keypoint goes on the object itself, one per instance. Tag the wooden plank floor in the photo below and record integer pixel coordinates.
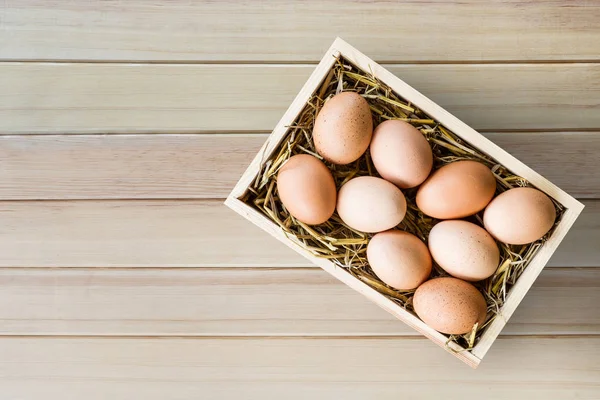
(123, 125)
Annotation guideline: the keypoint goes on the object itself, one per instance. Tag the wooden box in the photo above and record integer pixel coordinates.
(572, 208)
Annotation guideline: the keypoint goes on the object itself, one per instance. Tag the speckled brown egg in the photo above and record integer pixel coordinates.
(464, 250)
(399, 259)
(519, 216)
(307, 189)
(401, 154)
(450, 305)
(456, 190)
(370, 204)
(343, 128)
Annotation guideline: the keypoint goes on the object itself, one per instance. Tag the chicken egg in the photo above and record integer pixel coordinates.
(519, 216)
(343, 128)
(399, 259)
(307, 189)
(401, 154)
(464, 250)
(450, 305)
(370, 204)
(456, 190)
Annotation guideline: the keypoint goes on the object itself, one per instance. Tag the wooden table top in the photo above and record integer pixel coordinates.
(123, 125)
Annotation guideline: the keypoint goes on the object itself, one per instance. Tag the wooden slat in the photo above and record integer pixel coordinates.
(133, 233)
(123, 166)
(208, 166)
(105, 98)
(234, 30)
(177, 233)
(119, 369)
(268, 302)
(567, 159)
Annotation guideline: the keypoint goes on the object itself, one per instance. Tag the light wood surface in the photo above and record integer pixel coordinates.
(222, 301)
(101, 98)
(286, 31)
(181, 233)
(59, 167)
(105, 105)
(553, 368)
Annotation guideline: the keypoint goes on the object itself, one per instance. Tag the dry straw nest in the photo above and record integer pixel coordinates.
(346, 247)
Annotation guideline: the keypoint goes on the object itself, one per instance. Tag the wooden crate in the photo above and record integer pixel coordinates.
(572, 207)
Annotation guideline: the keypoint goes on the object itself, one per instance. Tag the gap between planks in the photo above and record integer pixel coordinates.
(285, 337)
(251, 133)
(289, 62)
(225, 268)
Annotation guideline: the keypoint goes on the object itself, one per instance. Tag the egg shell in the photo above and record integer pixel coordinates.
(401, 154)
(456, 190)
(450, 305)
(307, 189)
(370, 204)
(519, 216)
(464, 250)
(399, 259)
(343, 128)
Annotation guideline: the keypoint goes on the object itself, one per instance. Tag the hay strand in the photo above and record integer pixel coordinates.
(346, 247)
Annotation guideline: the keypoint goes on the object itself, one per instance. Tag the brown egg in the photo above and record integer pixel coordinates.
(464, 250)
(401, 154)
(457, 190)
(307, 189)
(519, 216)
(399, 259)
(343, 128)
(370, 204)
(450, 305)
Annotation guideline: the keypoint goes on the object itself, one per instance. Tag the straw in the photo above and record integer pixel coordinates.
(346, 247)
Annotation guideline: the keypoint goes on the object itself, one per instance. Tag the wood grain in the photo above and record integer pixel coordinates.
(505, 66)
(208, 166)
(129, 98)
(267, 302)
(243, 30)
(180, 233)
(124, 166)
(259, 368)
